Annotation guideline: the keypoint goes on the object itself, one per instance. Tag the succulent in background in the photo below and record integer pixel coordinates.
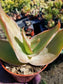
(48, 10)
(26, 8)
(51, 23)
(55, 11)
(58, 4)
(50, 3)
(11, 5)
(48, 17)
(60, 17)
(7, 5)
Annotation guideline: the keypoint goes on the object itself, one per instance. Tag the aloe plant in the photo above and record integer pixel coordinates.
(40, 50)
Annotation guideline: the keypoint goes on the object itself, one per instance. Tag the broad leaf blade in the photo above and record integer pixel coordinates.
(7, 54)
(12, 31)
(39, 41)
(50, 53)
(56, 44)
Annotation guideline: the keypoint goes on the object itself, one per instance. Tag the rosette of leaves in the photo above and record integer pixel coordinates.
(50, 3)
(40, 50)
(27, 8)
(58, 4)
(47, 10)
(55, 11)
(24, 3)
(48, 17)
(12, 5)
(7, 5)
(50, 24)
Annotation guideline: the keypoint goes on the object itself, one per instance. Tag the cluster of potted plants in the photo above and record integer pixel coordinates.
(53, 12)
(28, 7)
(21, 53)
(47, 12)
(38, 51)
(14, 7)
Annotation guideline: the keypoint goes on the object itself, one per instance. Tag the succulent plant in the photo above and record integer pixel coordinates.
(50, 3)
(51, 23)
(11, 5)
(58, 4)
(48, 10)
(40, 50)
(48, 17)
(55, 11)
(8, 5)
(26, 8)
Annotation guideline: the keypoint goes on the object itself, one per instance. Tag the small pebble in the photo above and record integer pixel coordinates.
(23, 69)
(14, 70)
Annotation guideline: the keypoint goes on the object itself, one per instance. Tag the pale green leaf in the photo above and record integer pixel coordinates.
(46, 46)
(26, 43)
(50, 53)
(12, 31)
(39, 41)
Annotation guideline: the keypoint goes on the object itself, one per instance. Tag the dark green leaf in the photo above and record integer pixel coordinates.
(7, 54)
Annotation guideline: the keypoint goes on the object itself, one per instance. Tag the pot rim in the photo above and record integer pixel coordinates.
(22, 74)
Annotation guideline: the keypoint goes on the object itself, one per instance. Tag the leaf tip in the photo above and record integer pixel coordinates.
(59, 24)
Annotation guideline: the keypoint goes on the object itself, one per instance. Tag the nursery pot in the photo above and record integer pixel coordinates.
(20, 77)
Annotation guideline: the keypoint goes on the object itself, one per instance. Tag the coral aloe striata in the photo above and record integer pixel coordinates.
(40, 50)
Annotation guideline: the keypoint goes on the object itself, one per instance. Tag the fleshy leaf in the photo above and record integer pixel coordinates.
(46, 46)
(39, 41)
(12, 31)
(7, 54)
(50, 53)
(26, 43)
(20, 44)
